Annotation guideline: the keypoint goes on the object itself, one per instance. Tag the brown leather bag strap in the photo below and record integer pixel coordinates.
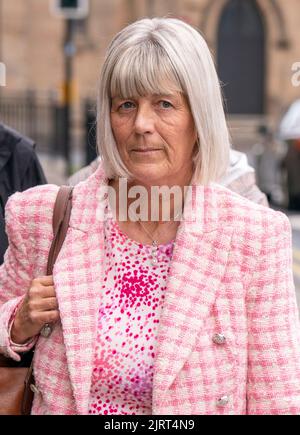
(60, 223)
(61, 218)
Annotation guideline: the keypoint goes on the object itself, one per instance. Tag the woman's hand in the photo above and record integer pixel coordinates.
(39, 307)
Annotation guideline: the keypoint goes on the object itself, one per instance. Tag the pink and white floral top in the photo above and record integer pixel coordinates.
(130, 304)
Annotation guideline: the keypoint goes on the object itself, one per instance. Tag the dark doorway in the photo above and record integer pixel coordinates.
(241, 57)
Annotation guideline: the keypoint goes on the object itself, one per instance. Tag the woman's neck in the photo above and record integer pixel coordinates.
(157, 203)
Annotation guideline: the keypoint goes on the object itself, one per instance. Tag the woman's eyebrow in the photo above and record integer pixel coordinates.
(169, 96)
(166, 95)
(174, 97)
(116, 97)
(120, 98)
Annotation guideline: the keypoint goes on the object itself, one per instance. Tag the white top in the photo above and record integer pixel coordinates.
(130, 304)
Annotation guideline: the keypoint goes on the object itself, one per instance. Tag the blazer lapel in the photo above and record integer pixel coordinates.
(77, 277)
(198, 265)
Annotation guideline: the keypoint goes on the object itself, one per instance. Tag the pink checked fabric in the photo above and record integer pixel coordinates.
(130, 304)
(230, 274)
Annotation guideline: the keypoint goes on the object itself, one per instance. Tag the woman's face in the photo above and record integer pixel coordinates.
(155, 136)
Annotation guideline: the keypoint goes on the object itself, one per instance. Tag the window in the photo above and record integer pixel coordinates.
(241, 57)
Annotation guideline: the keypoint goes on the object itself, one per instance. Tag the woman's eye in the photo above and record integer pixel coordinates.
(127, 105)
(165, 104)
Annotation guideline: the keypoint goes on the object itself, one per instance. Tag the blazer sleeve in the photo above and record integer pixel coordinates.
(273, 385)
(28, 218)
(15, 277)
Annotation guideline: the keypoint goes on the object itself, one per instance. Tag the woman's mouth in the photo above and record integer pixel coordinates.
(147, 150)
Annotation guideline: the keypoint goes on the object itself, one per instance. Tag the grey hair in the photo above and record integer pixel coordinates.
(159, 56)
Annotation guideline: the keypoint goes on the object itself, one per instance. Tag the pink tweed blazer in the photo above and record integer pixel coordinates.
(231, 274)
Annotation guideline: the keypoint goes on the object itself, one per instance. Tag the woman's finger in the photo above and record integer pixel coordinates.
(40, 318)
(43, 304)
(43, 280)
(41, 292)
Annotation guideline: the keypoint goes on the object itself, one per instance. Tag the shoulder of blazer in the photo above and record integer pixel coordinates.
(251, 222)
(32, 210)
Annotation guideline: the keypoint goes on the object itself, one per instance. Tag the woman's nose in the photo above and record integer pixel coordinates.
(144, 121)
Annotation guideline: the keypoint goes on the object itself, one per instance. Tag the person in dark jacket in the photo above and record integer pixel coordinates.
(19, 170)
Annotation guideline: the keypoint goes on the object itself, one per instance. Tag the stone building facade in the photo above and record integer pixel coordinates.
(31, 46)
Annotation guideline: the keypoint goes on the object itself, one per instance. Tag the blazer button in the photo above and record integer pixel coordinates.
(219, 339)
(223, 401)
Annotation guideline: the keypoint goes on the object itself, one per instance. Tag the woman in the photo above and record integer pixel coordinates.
(195, 314)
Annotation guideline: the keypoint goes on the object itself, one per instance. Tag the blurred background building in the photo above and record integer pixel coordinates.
(255, 44)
